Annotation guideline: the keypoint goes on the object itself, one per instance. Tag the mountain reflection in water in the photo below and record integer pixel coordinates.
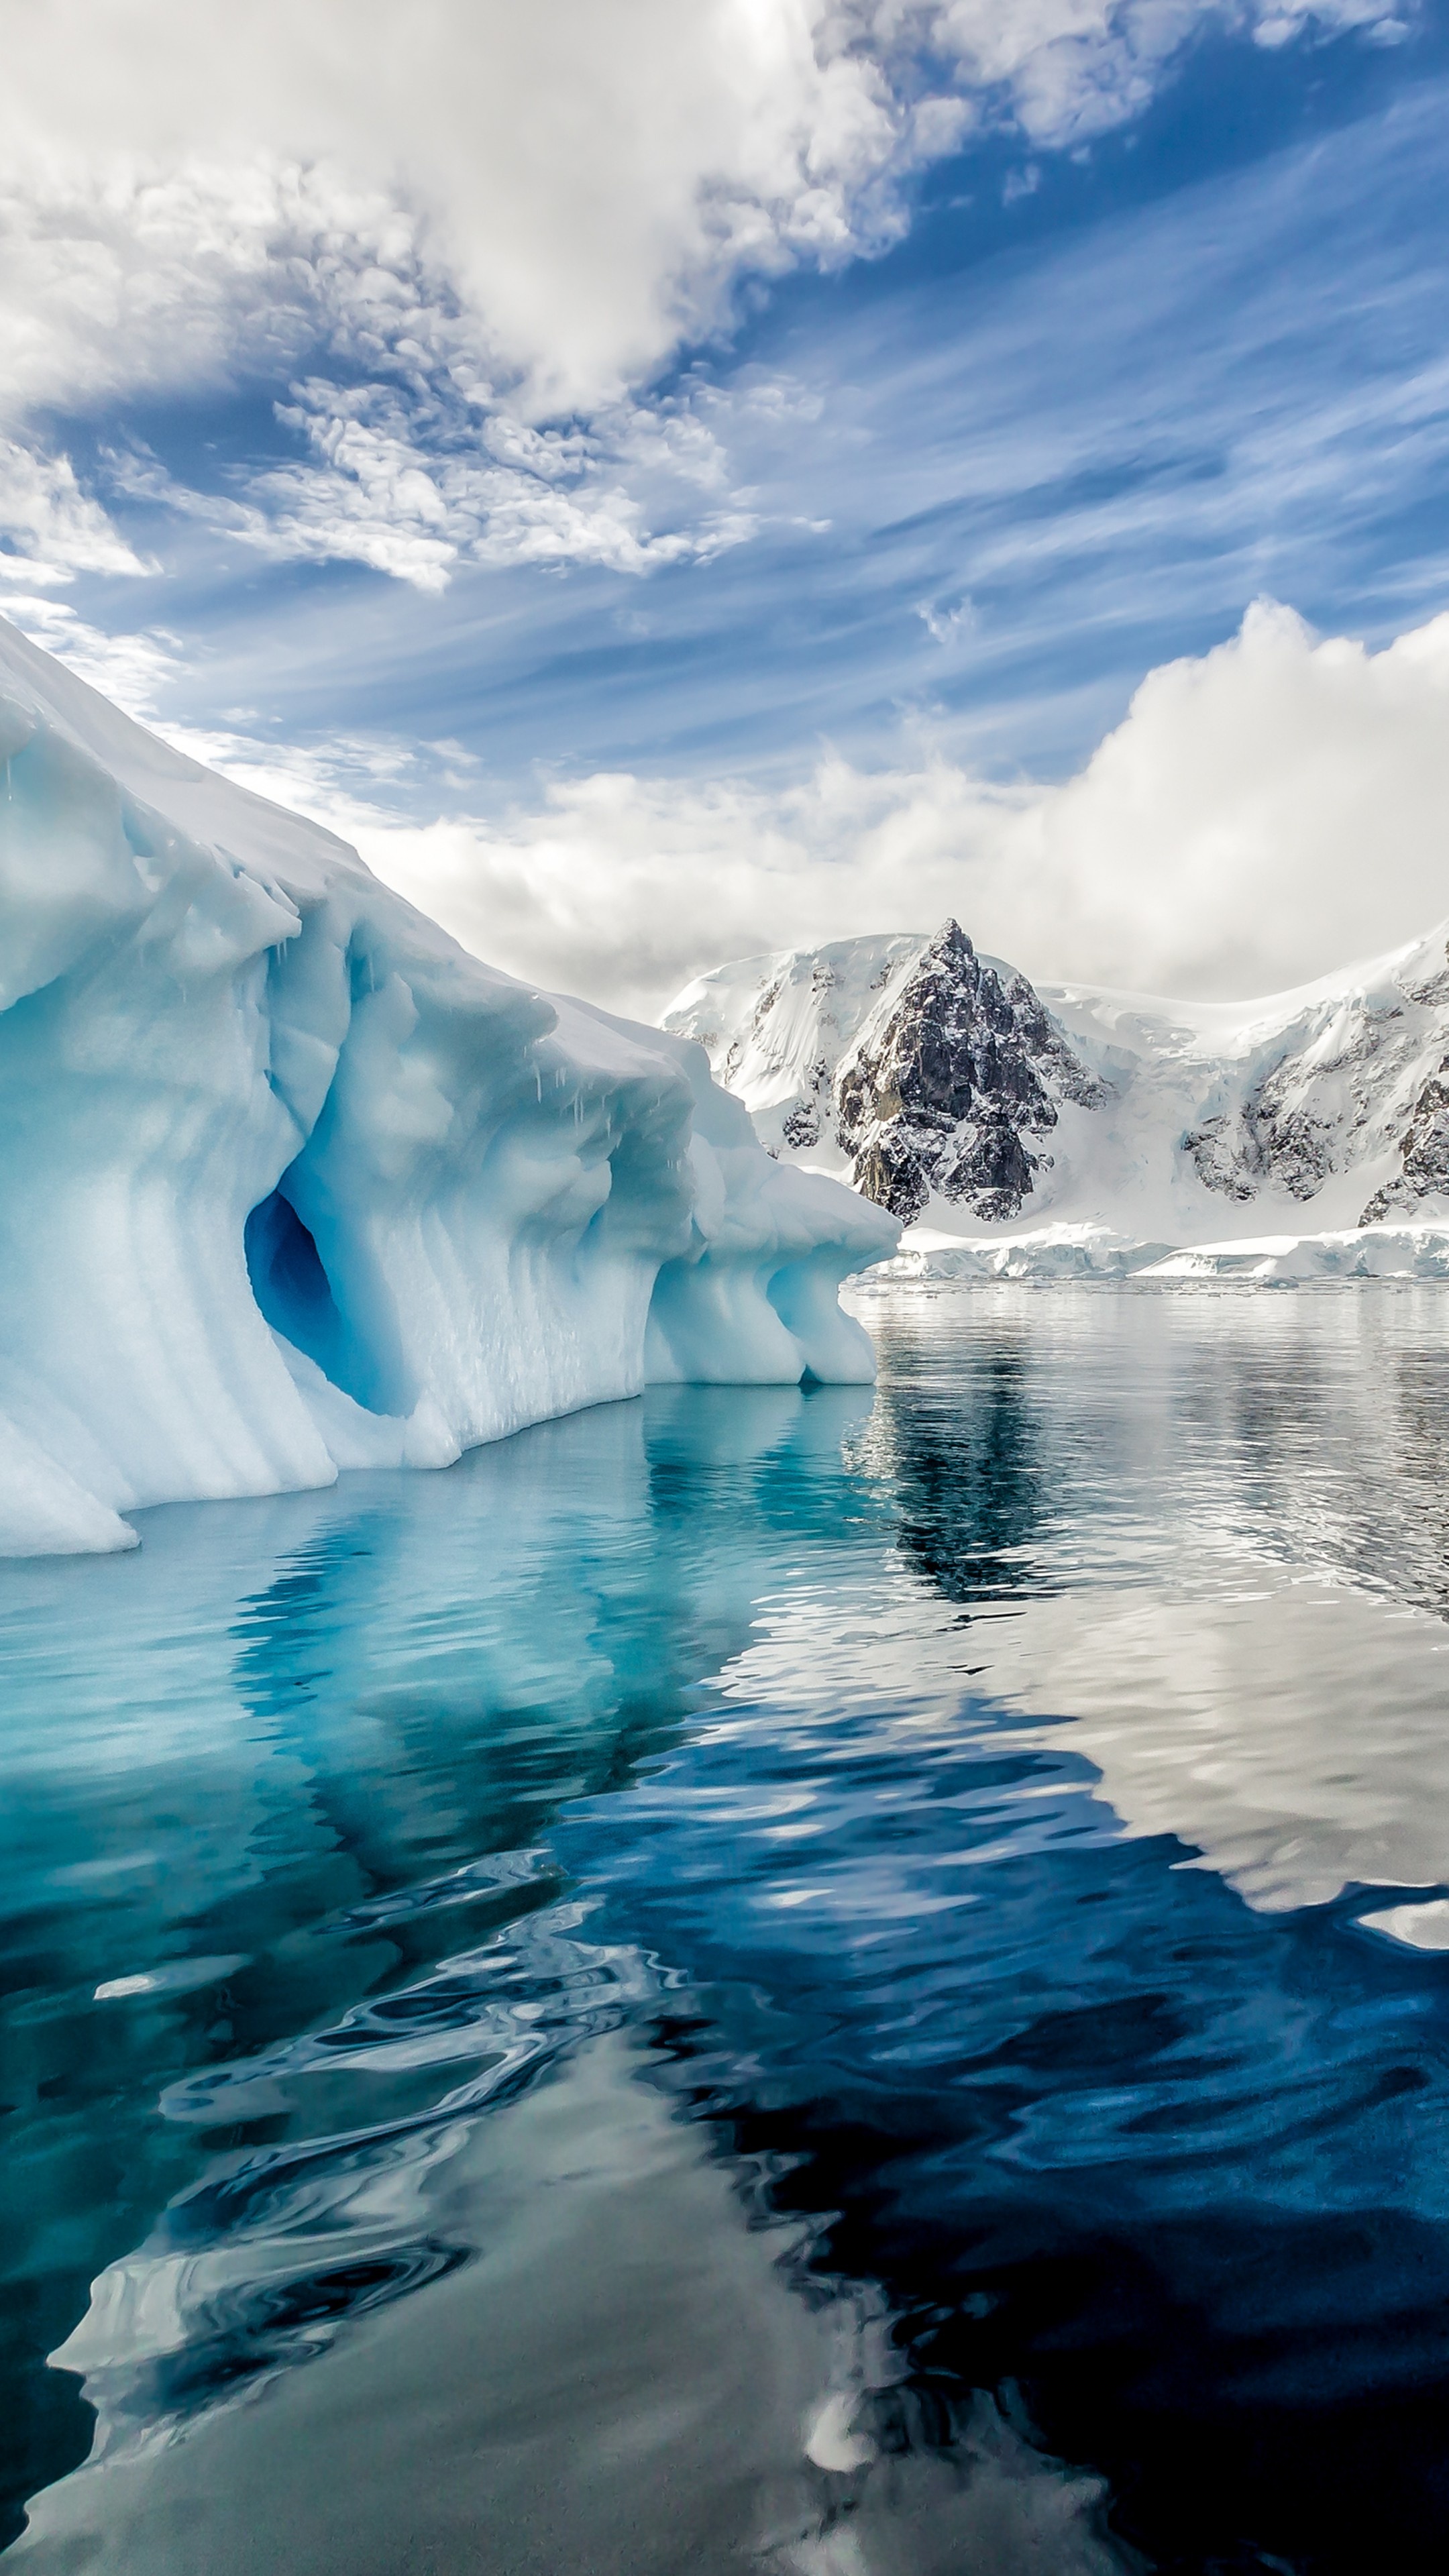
(757, 1978)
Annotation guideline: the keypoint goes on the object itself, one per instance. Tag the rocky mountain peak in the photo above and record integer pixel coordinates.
(946, 1081)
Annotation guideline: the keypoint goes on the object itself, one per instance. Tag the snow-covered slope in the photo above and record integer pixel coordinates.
(289, 1182)
(1072, 1130)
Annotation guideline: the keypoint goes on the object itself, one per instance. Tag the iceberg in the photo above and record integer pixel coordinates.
(292, 1183)
(1047, 1253)
(1374, 1251)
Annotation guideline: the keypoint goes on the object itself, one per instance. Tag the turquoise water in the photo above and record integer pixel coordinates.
(798, 1979)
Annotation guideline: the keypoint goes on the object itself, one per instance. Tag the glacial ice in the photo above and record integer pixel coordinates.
(289, 1182)
(1049, 1254)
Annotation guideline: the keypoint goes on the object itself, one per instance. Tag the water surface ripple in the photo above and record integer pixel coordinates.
(797, 1979)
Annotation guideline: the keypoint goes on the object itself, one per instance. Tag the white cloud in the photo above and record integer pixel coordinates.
(493, 216)
(946, 623)
(1064, 70)
(409, 458)
(1261, 815)
(413, 487)
(590, 179)
(54, 527)
(591, 175)
(411, 504)
(133, 670)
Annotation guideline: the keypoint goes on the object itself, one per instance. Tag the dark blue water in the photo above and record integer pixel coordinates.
(769, 1978)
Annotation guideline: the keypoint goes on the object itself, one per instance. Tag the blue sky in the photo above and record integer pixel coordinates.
(1119, 373)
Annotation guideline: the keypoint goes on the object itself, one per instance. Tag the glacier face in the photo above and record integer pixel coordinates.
(289, 1182)
(1072, 1131)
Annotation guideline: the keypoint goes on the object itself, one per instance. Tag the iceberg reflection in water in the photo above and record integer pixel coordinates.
(757, 1977)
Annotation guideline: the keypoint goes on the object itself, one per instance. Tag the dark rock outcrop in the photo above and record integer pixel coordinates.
(1315, 1112)
(943, 1095)
(1266, 1145)
(802, 1124)
(1425, 1147)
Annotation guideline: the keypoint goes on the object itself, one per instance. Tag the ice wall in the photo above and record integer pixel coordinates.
(289, 1182)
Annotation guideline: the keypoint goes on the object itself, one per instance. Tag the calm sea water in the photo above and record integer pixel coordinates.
(809, 1981)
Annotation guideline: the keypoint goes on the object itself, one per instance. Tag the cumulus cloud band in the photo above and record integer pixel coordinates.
(1262, 814)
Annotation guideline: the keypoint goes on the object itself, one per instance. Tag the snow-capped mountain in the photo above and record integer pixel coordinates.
(1104, 1129)
(289, 1182)
(946, 1081)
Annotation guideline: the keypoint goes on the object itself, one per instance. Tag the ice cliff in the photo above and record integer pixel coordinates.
(1067, 1131)
(289, 1182)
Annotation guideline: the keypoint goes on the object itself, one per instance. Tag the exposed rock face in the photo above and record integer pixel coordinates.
(1333, 1098)
(1268, 1144)
(802, 1125)
(945, 1084)
(1425, 1171)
